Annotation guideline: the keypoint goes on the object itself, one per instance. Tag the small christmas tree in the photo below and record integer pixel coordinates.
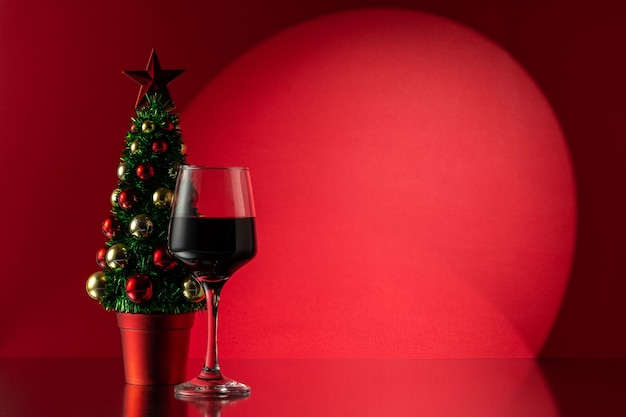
(138, 275)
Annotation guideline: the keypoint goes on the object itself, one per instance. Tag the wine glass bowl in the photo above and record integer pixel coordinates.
(212, 232)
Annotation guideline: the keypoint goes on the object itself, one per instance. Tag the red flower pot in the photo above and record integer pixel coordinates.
(155, 347)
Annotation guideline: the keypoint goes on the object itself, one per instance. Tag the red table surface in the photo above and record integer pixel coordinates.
(376, 387)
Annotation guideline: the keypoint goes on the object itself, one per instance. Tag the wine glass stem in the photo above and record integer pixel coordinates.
(211, 368)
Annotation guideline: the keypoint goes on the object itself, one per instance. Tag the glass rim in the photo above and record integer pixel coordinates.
(207, 168)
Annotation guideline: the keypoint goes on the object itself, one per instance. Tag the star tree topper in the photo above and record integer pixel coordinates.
(153, 79)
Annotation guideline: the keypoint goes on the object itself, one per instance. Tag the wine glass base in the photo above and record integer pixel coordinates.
(199, 388)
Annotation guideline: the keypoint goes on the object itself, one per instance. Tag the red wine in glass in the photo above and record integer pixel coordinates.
(212, 231)
(213, 246)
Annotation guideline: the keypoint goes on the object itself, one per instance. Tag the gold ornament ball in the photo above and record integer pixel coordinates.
(162, 197)
(121, 170)
(134, 146)
(183, 148)
(141, 226)
(116, 256)
(96, 284)
(114, 195)
(147, 126)
(192, 290)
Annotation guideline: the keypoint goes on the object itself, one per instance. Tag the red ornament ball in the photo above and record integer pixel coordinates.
(170, 126)
(110, 226)
(126, 199)
(163, 259)
(101, 257)
(139, 288)
(133, 128)
(145, 171)
(159, 146)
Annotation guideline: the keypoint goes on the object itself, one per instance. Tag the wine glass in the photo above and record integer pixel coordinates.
(212, 232)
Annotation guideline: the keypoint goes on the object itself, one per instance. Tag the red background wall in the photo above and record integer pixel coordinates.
(65, 106)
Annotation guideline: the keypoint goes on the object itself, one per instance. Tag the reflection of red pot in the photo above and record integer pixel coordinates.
(152, 401)
(155, 347)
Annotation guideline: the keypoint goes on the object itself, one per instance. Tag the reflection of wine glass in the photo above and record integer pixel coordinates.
(212, 232)
(214, 407)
